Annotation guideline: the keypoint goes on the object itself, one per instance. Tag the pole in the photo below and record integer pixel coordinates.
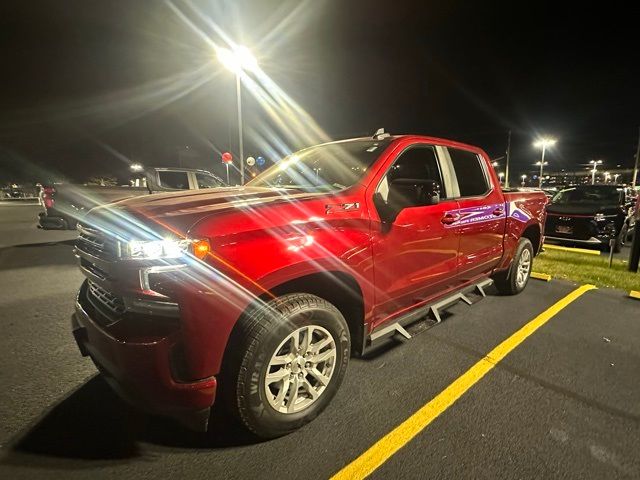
(634, 254)
(635, 168)
(240, 143)
(544, 149)
(508, 155)
(227, 165)
(593, 174)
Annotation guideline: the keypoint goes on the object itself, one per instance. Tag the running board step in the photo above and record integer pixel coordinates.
(423, 318)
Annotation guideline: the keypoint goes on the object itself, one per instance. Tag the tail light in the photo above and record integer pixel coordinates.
(47, 196)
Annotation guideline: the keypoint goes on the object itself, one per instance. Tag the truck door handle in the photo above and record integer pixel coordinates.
(498, 212)
(448, 219)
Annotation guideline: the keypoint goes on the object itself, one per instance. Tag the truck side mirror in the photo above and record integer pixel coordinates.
(405, 193)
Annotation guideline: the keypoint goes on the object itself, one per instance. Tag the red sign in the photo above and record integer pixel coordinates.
(227, 158)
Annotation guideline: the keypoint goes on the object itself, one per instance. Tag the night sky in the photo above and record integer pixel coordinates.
(88, 87)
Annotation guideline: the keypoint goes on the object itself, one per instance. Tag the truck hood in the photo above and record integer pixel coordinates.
(177, 212)
(582, 209)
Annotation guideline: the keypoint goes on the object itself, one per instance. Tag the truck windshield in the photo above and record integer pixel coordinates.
(333, 166)
(599, 194)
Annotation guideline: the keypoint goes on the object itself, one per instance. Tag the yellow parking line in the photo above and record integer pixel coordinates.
(388, 445)
(572, 249)
(634, 294)
(541, 276)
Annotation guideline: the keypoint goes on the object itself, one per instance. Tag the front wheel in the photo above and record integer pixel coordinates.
(515, 279)
(292, 356)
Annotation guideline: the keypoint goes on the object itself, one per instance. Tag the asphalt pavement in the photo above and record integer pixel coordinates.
(565, 403)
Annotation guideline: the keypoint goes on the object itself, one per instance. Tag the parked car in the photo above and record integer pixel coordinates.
(65, 204)
(590, 215)
(256, 296)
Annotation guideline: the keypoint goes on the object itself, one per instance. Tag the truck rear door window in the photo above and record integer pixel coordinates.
(472, 180)
(171, 179)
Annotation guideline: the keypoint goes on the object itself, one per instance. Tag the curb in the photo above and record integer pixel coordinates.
(571, 249)
(541, 276)
(634, 294)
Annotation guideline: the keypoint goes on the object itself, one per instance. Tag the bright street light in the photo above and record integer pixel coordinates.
(523, 177)
(594, 170)
(136, 167)
(238, 60)
(500, 176)
(543, 143)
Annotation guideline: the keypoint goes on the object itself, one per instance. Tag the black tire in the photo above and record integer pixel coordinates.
(506, 282)
(258, 336)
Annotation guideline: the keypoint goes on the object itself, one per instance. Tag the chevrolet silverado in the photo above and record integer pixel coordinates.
(256, 296)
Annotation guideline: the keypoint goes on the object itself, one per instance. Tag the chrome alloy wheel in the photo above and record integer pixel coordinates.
(300, 369)
(524, 265)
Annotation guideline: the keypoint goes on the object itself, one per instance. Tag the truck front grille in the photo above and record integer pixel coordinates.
(102, 299)
(580, 228)
(97, 243)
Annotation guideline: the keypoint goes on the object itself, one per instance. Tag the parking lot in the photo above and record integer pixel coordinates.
(564, 403)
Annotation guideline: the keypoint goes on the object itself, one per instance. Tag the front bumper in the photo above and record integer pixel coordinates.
(139, 358)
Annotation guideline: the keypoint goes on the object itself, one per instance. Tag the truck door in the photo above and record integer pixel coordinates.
(482, 216)
(415, 255)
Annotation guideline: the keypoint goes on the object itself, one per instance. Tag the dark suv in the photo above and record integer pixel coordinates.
(590, 215)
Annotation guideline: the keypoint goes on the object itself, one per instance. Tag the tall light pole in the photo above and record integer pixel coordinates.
(543, 143)
(238, 60)
(594, 170)
(635, 168)
(541, 165)
(523, 177)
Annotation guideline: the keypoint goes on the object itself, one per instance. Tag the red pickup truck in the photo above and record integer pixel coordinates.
(256, 296)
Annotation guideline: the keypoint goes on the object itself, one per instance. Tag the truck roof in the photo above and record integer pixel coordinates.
(425, 138)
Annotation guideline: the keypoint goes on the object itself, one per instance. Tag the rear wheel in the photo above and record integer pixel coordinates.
(515, 279)
(292, 357)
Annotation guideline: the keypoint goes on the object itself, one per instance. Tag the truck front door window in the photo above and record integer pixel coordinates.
(417, 163)
(172, 179)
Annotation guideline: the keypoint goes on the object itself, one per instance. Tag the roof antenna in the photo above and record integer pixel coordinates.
(380, 134)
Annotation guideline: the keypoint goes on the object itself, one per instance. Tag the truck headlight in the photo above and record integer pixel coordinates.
(153, 249)
(168, 248)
